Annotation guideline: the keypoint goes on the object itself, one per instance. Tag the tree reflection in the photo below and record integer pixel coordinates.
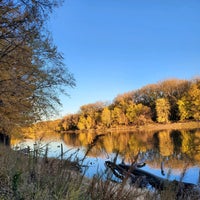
(166, 146)
(177, 140)
(175, 147)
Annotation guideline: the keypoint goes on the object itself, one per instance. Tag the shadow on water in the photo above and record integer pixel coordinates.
(177, 140)
(156, 140)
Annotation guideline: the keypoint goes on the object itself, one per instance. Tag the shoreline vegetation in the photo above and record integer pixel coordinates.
(27, 177)
(167, 103)
(146, 127)
(46, 128)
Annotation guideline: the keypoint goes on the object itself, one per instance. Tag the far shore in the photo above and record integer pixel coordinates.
(168, 126)
(146, 127)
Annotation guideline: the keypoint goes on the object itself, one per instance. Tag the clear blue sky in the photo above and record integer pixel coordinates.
(116, 46)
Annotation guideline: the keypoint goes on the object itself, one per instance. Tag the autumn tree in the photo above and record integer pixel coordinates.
(131, 113)
(82, 123)
(120, 105)
(106, 117)
(138, 114)
(90, 115)
(184, 108)
(173, 90)
(147, 96)
(194, 95)
(32, 69)
(162, 110)
(189, 104)
(118, 116)
(69, 122)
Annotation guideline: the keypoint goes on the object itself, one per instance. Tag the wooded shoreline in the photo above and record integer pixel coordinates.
(146, 127)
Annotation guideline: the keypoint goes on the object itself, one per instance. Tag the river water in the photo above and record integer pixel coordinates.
(177, 150)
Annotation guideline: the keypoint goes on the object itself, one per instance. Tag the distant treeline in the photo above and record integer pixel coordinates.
(166, 101)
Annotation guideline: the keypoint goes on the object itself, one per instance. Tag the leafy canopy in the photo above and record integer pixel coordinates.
(32, 70)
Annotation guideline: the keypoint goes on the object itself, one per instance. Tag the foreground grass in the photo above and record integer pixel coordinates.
(24, 177)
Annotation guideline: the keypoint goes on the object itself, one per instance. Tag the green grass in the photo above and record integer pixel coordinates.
(30, 177)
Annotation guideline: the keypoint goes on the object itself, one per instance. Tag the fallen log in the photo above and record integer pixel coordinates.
(143, 178)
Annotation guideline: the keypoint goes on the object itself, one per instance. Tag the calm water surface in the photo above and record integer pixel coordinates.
(178, 150)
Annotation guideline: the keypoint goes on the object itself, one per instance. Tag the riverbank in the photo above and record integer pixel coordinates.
(27, 176)
(169, 126)
(147, 127)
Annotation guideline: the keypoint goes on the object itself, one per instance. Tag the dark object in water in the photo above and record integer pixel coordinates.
(145, 178)
(4, 139)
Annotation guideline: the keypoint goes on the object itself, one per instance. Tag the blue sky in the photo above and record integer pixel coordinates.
(116, 46)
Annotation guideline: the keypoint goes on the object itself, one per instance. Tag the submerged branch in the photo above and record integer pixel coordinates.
(144, 178)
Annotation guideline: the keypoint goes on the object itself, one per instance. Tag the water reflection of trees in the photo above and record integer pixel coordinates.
(175, 147)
